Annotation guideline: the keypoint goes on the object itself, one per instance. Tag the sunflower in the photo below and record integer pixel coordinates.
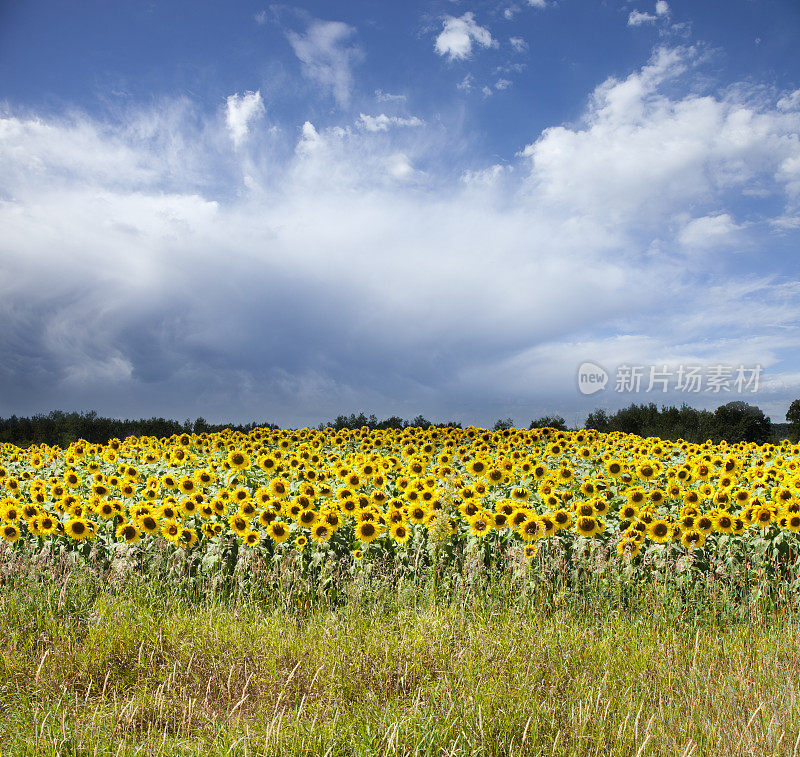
(240, 495)
(279, 487)
(659, 531)
(187, 537)
(239, 524)
(495, 475)
(30, 511)
(763, 516)
(723, 522)
(587, 526)
(167, 511)
(691, 497)
(529, 528)
(675, 491)
(187, 485)
(204, 477)
(190, 507)
(367, 531)
(332, 520)
(479, 525)
(477, 467)
(46, 524)
(418, 514)
(399, 532)
(171, 531)
(10, 532)
(128, 533)
(321, 532)
(499, 520)
(703, 471)
(78, 528)
(547, 526)
(636, 496)
(251, 538)
(519, 516)
(704, 524)
(628, 548)
(562, 519)
(278, 531)
(565, 474)
(693, 539)
(239, 460)
(148, 524)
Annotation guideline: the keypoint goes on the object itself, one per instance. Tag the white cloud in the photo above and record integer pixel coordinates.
(261, 18)
(383, 122)
(149, 279)
(458, 34)
(400, 167)
(708, 231)
(387, 97)
(502, 84)
(790, 101)
(487, 91)
(651, 153)
(636, 18)
(326, 58)
(240, 111)
(512, 10)
(466, 83)
(487, 177)
(518, 44)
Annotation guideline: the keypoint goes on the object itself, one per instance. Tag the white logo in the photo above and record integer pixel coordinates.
(591, 378)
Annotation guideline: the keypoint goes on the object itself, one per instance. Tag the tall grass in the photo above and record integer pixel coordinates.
(99, 661)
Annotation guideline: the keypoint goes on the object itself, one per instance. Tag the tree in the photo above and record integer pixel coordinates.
(550, 421)
(597, 420)
(793, 416)
(503, 424)
(737, 421)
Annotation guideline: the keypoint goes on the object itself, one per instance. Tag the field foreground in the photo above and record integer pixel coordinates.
(89, 668)
(423, 591)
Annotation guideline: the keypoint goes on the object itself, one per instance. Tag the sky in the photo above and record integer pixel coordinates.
(467, 209)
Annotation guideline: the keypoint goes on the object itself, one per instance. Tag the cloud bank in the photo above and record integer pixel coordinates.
(183, 264)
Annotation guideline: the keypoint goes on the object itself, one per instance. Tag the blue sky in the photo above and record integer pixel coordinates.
(283, 212)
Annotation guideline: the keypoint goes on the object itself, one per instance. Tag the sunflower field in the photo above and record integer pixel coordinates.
(448, 500)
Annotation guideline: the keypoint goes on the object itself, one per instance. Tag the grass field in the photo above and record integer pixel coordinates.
(427, 591)
(96, 665)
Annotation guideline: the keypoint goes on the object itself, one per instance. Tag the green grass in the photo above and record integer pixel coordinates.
(92, 666)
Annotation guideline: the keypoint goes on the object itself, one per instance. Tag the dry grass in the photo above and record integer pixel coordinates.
(84, 670)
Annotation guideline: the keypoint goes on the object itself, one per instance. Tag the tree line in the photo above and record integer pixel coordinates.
(733, 422)
(61, 428)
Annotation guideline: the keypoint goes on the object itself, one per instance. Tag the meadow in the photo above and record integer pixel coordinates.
(424, 591)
